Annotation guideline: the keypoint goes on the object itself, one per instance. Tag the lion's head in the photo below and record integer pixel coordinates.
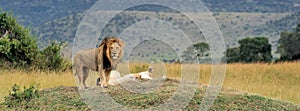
(113, 48)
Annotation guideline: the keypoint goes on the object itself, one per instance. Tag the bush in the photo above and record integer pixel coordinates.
(233, 55)
(18, 98)
(17, 46)
(255, 49)
(51, 58)
(250, 50)
(18, 49)
(289, 48)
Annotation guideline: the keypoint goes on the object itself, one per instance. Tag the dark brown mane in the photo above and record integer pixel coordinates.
(107, 65)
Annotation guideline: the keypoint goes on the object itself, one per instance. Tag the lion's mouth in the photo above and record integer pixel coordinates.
(114, 57)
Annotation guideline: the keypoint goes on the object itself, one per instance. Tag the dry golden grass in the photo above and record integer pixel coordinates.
(280, 81)
(40, 79)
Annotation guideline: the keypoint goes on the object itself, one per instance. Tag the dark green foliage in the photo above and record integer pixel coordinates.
(233, 55)
(251, 50)
(17, 97)
(195, 51)
(255, 49)
(18, 49)
(289, 47)
(51, 59)
(16, 44)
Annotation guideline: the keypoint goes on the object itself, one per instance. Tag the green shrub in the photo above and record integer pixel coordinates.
(51, 58)
(18, 49)
(17, 97)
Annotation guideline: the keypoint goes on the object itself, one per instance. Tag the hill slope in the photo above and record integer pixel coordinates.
(67, 98)
(234, 26)
(34, 12)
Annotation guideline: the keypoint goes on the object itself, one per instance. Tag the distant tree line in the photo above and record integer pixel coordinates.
(251, 50)
(258, 49)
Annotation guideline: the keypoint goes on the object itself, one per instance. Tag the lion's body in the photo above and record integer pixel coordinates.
(102, 59)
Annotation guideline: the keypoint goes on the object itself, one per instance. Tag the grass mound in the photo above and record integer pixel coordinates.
(68, 98)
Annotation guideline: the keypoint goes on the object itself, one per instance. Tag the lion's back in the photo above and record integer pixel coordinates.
(86, 58)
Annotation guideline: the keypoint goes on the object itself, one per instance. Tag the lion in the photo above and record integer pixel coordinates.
(102, 59)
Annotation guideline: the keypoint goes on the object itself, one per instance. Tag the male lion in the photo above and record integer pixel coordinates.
(102, 59)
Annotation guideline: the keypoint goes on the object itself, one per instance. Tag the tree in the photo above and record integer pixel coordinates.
(16, 44)
(255, 49)
(289, 47)
(19, 49)
(233, 55)
(195, 51)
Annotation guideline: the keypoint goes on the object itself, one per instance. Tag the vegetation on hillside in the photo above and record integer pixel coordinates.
(275, 27)
(18, 49)
(233, 25)
(62, 29)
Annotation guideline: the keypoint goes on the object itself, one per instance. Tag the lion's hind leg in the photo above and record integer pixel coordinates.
(79, 73)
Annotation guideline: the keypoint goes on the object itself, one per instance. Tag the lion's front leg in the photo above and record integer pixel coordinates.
(102, 78)
(107, 76)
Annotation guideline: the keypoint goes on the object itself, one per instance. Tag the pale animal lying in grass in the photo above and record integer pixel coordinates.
(115, 77)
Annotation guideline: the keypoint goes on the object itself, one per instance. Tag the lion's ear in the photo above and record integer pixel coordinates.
(121, 43)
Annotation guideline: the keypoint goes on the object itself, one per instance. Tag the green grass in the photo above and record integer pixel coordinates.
(67, 98)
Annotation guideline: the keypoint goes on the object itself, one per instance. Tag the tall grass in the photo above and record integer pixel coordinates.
(280, 81)
(39, 79)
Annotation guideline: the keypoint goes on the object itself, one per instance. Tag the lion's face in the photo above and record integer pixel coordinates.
(115, 49)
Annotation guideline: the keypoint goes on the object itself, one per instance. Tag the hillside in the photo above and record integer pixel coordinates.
(275, 27)
(62, 29)
(234, 26)
(35, 12)
(67, 98)
(253, 5)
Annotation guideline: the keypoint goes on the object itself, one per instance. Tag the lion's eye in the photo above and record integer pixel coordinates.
(118, 47)
(111, 47)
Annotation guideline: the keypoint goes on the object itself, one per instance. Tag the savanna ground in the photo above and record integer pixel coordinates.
(279, 81)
